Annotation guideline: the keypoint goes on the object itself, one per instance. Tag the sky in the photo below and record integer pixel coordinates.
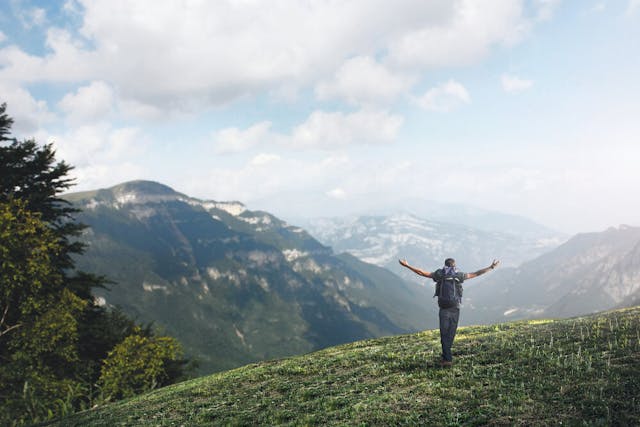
(325, 107)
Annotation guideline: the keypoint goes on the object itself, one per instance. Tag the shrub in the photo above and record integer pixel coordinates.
(139, 364)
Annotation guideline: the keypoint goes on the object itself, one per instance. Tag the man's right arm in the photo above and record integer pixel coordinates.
(404, 263)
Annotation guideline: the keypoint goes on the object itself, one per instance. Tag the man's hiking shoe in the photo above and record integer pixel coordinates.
(446, 363)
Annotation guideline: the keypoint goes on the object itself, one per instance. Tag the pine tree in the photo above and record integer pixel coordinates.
(30, 173)
(54, 338)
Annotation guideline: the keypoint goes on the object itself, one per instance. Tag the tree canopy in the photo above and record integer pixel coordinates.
(55, 341)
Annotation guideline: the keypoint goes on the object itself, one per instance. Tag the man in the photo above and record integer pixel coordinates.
(450, 306)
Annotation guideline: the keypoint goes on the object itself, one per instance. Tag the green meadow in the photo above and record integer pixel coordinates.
(583, 370)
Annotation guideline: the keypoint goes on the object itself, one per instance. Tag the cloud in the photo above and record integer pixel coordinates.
(337, 193)
(34, 17)
(513, 84)
(99, 144)
(28, 113)
(545, 9)
(335, 129)
(101, 154)
(233, 140)
(105, 175)
(89, 103)
(256, 180)
(3, 37)
(445, 97)
(264, 159)
(632, 7)
(363, 81)
(310, 186)
(598, 7)
(321, 130)
(183, 56)
(464, 37)
(72, 7)
(67, 60)
(139, 110)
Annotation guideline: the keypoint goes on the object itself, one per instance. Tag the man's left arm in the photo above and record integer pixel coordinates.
(480, 272)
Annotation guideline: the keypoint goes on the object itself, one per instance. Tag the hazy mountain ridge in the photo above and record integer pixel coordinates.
(590, 272)
(235, 285)
(381, 240)
(474, 217)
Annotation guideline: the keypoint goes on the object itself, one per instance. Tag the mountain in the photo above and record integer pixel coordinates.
(234, 285)
(382, 240)
(581, 371)
(309, 203)
(476, 218)
(590, 272)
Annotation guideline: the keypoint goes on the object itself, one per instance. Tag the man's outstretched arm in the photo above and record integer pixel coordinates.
(404, 263)
(480, 272)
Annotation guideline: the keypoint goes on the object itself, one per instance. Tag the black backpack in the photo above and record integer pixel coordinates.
(448, 288)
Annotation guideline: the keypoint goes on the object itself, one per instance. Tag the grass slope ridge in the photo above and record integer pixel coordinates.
(541, 372)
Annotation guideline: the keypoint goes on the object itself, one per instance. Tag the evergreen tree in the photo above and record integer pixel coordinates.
(30, 173)
(54, 338)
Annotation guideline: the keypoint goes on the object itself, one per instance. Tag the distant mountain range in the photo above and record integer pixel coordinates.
(539, 275)
(237, 286)
(591, 272)
(382, 240)
(233, 285)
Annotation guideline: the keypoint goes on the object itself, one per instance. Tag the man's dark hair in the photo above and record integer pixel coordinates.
(449, 262)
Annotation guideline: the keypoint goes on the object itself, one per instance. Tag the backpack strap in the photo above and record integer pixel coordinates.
(440, 273)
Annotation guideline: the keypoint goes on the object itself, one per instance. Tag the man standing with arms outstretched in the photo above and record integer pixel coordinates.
(449, 290)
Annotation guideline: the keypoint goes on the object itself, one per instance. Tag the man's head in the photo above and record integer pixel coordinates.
(449, 262)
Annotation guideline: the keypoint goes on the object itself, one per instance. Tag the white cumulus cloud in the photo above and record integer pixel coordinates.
(101, 154)
(67, 60)
(33, 17)
(264, 159)
(101, 143)
(28, 113)
(633, 6)
(89, 103)
(513, 84)
(546, 9)
(463, 37)
(186, 55)
(363, 81)
(445, 97)
(257, 181)
(233, 140)
(323, 130)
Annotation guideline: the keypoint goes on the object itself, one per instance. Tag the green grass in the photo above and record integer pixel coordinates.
(576, 371)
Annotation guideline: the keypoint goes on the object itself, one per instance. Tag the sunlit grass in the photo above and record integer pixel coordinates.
(538, 321)
(527, 372)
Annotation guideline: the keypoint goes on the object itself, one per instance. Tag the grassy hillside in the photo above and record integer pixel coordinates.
(533, 373)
